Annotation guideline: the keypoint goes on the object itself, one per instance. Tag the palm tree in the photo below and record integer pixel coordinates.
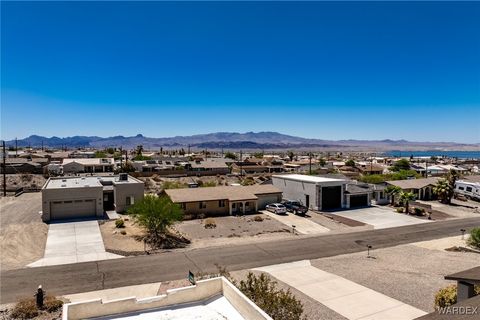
(443, 189)
(405, 197)
(392, 191)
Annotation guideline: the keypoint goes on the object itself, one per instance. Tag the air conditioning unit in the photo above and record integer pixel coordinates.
(123, 177)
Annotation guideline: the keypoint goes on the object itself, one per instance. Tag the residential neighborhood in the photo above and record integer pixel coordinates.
(240, 160)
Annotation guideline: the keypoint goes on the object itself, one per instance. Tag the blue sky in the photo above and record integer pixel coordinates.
(360, 70)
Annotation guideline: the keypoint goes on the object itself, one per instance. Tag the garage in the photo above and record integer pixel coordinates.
(358, 200)
(331, 197)
(72, 209)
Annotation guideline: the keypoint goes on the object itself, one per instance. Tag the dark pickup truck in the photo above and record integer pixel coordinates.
(295, 206)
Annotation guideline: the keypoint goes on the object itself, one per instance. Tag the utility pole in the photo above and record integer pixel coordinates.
(241, 164)
(310, 163)
(42, 145)
(16, 147)
(4, 171)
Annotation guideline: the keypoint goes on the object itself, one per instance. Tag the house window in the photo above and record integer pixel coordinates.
(202, 205)
(130, 200)
(221, 203)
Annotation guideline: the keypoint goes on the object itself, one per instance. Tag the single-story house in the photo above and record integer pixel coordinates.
(79, 197)
(248, 168)
(422, 188)
(322, 193)
(208, 166)
(224, 200)
(81, 165)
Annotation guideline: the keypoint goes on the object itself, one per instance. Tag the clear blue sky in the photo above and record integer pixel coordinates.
(399, 70)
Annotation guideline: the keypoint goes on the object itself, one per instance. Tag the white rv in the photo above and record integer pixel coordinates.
(469, 189)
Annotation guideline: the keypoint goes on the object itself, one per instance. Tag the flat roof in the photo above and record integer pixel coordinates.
(231, 193)
(87, 181)
(306, 178)
(217, 308)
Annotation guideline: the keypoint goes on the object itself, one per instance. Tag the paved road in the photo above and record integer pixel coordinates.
(89, 276)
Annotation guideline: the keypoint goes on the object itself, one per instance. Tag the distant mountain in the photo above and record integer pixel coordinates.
(234, 140)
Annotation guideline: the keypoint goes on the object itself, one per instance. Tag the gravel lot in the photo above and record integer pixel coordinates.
(406, 273)
(22, 233)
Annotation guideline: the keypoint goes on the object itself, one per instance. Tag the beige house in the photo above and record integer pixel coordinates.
(224, 200)
(88, 197)
(421, 188)
(81, 165)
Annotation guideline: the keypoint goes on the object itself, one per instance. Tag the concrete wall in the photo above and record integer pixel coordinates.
(202, 291)
(67, 194)
(123, 190)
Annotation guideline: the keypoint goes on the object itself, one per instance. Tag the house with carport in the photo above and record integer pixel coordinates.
(421, 188)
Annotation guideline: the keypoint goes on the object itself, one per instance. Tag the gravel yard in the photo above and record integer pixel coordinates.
(232, 229)
(407, 273)
(22, 233)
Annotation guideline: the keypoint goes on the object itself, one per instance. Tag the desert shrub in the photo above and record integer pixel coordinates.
(208, 184)
(448, 296)
(258, 218)
(26, 177)
(119, 223)
(278, 304)
(25, 309)
(123, 232)
(173, 185)
(400, 210)
(474, 239)
(52, 304)
(419, 211)
(210, 223)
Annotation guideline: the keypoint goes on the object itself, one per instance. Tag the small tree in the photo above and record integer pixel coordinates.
(230, 155)
(405, 197)
(402, 164)
(156, 214)
(350, 163)
(278, 304)
(443, 190)
(474, 239)
(291, 155)
(393, 191)
(322, 162)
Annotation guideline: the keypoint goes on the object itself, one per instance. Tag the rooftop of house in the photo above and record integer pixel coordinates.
(358, 188)
(209, 163)
(305, 178)
(88, 181)
(414, 183)
(90, 161)
(231, 193)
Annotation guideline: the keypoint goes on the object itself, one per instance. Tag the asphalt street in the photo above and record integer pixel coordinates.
(88, 276)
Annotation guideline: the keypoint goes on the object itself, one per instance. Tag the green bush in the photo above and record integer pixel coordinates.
(419, 211)
(400, 210)
(25, 309)
(278, 304)
(474, 239)
(119, 223)
(448, 296)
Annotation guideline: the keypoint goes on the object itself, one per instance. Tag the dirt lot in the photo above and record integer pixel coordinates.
(155, 183)
(34, 181)
(228, 230)
(22, 232)
(457, 209)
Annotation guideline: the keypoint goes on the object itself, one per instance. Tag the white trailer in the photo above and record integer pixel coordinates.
(468, 189)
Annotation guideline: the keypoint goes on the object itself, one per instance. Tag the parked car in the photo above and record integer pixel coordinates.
(295, 206)
(277, 208)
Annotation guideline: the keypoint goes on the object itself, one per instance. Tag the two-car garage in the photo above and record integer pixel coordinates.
(78, 208)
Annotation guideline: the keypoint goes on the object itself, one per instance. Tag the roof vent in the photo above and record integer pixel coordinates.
(123, 177)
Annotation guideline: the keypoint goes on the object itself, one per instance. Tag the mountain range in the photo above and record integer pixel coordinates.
(236, 141)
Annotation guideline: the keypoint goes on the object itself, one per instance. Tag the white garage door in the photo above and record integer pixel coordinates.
(72, 209)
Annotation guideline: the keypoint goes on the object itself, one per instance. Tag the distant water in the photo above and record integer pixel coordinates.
(436, 153)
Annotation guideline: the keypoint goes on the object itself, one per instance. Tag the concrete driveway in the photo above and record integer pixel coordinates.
(72, 242)
(349, 299)
(302, 224)
(379, 218)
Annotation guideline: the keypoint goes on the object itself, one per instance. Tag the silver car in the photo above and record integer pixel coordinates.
(277, 208)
